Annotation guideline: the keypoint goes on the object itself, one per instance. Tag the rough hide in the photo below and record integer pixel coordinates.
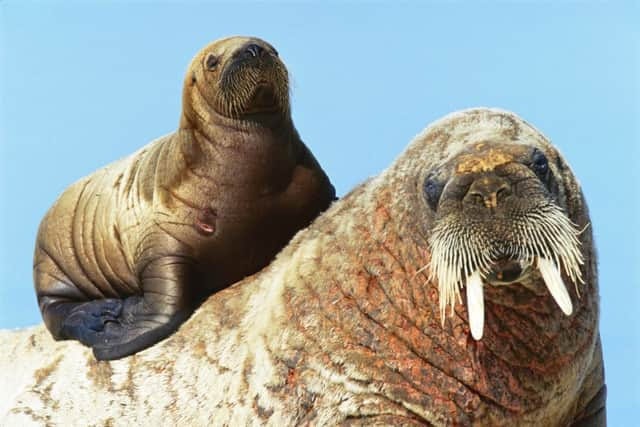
(344, 328)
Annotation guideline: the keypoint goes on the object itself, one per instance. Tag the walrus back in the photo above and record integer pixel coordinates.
(82, 247)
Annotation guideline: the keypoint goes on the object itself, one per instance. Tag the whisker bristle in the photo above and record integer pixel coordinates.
(458, 251)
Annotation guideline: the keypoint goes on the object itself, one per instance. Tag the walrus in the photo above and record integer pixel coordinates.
(345, 326)
(127, 253)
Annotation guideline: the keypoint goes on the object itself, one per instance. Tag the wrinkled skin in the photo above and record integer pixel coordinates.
(126, 254)
(344, 327)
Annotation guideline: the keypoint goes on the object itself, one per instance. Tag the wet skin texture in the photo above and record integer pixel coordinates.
(126, 254)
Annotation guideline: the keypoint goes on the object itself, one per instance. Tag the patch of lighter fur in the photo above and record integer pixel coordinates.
(266, 307)
(58, 376)
(16, 377)
(343, 380)
(351, 387)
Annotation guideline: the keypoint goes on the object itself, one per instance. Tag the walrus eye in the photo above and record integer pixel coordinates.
(211, 61)
(540, 164)
(432, 191)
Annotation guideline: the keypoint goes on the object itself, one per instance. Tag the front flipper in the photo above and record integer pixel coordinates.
(82, 321)
(166, 302)
(137, 328)
(86, 321)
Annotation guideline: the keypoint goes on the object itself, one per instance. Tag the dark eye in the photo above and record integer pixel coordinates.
(539, 164)
(432, 191)
(211, 61)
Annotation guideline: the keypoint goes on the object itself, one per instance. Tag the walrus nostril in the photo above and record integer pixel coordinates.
(488, 190)
(503, 192)
(254, 50)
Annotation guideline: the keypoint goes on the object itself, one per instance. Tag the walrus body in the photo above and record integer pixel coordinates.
(344, 327)
(127, 253)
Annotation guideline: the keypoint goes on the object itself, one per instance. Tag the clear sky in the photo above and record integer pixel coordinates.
(82, 84)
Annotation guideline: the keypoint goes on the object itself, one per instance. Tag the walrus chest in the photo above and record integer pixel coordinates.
(234, 227)
(238, 240)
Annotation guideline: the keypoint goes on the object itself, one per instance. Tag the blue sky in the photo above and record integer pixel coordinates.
(82, 84)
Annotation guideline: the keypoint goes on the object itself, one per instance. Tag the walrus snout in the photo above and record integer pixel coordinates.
(497, 218)
(253, 50)
(488, 191)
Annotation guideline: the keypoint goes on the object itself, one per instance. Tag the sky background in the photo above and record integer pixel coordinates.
(83, 84)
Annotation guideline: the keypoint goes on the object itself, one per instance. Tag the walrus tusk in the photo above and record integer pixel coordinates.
(555, 284)
(475, 305)
(475, 295)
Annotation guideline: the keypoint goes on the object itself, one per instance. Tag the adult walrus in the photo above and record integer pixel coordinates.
(344, 327)
(126, 254)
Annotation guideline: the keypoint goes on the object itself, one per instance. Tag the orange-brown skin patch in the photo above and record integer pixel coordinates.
(471, 163)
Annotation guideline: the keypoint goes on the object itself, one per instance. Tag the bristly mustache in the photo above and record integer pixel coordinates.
(238, 85)
(463, 253)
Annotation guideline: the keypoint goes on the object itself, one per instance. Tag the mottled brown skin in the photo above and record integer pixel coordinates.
(126, 254)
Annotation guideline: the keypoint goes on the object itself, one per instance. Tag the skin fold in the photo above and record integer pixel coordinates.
(345, 326)
(126, 254)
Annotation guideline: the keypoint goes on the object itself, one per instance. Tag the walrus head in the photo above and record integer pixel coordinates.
(236, 78)
(500, 210)
(497, 219)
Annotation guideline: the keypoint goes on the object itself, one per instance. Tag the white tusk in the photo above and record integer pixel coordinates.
(553, 280)
(475, 304)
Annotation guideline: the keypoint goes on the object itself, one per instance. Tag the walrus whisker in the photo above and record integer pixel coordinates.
(460, 252)
(420, 270)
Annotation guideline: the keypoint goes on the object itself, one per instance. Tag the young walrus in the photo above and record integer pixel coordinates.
(126, 254)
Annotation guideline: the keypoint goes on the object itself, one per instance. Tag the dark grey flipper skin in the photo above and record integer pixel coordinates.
(125, 255)
(116, 328)
(145, 320)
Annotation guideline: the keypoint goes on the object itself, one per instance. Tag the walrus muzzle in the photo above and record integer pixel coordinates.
(497, 221)
(254, 80)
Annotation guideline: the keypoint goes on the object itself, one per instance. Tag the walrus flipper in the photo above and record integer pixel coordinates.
(136, 330)
(85, 321)
(65, 308)
(82, 321)
(147, 319)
